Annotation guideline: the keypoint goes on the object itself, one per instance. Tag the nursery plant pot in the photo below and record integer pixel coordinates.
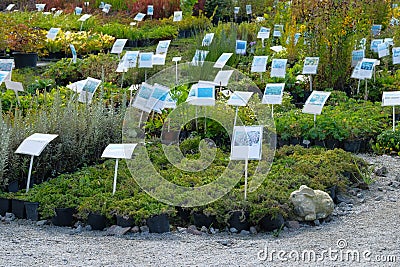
(23, 60)
(268, 223)
(332, 143)
(13, 187)
(184, 215)
(352, 146)
(125, 221)
(31, 209)
(200, 219)
(97, 221)
(158, 224)
(18, 208)
(5, 206)
(64, 217)
(239, 220)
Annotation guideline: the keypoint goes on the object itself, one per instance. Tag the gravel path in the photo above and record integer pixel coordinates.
(368, 228)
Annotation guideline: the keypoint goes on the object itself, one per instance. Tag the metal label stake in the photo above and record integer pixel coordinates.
(115, 176)
(29, 175)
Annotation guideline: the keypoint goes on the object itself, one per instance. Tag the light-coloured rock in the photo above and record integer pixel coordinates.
(144, 229)
(204, 229)
(311, 204)
(135, 229)
(253, 230)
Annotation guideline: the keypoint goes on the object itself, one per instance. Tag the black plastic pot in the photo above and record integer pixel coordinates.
(13, 187)
(23, 60)
(18, 208)
(124, 221)
(158, 224)
(352, 146)
(31, 209)
(97, 221)
(268, 223)
(239, 220)
(199, 219)
(332, 143)
(64, 217)
(5, 206)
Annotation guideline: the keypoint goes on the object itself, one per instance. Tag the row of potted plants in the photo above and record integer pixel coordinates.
(88, 191)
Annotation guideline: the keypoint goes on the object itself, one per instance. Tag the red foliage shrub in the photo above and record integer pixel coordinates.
(162, 8)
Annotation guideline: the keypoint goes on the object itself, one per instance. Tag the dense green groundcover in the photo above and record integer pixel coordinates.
(89, 189)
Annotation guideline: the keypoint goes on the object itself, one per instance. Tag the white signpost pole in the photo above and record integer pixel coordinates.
(176, 72)
(245, 178)
(236, 114)
(272, 110)
(311, 83)
(358, 86)
(394, 119)
(115, 176)
(29, 174)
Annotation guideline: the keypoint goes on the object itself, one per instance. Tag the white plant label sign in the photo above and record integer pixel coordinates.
(264, 33)
(391, 98)
(247, 143)
(142, 97)
(52, 34)
(259, 64)
(396, 55)
(241, 47)
(202, 94)
(310, 65)
(315, 102)
(146, 60)
(177, 16)
(221, 61)
(239, 98)
(158, 96)
(162, 47)
(207, 39)
(119, 151)
(84, 17)
(357, 56)
(139, 16)
(118, 46)
(278, 68)
(34, 144)
(273, 93)
(199, 57)
(88, 90)
(150, 10)
(222, 77)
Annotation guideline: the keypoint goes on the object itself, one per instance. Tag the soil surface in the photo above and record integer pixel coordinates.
(362, 233)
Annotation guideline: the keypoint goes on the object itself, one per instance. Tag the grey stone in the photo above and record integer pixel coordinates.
(244, 232)
(9, 217)
(395, 184)
(378, 198)
(311, 204)
(181, 229)
(204, 229)
(382, 171)
(117, 230)
(253, 230)
(212, 230)
(41, 222)
(293, 224)
(135, 229)
(360, 195)
(317, 223)
(392, 199)
(341, 198)
(362, 200)
(88, 228)
(144, 229)
(233, 230)
(380, 188)
(193, 230)
(226, 243)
